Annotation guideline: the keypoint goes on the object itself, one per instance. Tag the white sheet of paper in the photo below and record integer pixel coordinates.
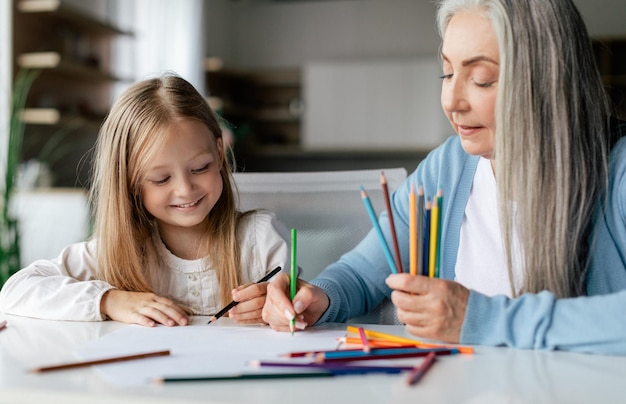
(199, 350)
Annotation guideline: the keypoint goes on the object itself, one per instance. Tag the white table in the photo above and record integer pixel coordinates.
(490, 375)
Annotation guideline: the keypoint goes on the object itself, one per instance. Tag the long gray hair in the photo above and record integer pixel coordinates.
(552, 137)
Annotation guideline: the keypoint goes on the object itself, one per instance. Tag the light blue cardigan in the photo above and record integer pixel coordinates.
(356, 283)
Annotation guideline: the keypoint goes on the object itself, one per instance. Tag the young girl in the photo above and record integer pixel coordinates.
(168, 239)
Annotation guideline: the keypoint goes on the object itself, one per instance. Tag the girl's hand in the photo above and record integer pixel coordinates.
(251, 298)
(430, 308)
(308, 305)
(141, 308)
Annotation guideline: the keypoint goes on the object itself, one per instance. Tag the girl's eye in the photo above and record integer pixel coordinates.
(201, 169)
(161, 181)
(446, 76)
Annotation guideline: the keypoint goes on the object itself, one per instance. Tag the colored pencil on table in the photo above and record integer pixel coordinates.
(426, 232)
(374, 335)
(439, 231)
(244, 376)
(333, 367)
(366, 346)
(413, 231)
(3, 325)
(381, 236)
(420, 230)
(419, 371)
(232, 304)
(294, 274)
(398, 353)
(394, 237)
(100, 361)
(434, 227)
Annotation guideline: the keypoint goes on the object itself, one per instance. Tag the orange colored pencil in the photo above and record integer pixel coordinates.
(413, 231)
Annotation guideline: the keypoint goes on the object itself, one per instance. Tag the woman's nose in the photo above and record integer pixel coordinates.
(453, 96)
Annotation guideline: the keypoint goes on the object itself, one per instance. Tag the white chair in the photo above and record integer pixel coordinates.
(326, 209)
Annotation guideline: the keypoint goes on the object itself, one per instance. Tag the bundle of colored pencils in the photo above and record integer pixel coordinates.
(425, 223)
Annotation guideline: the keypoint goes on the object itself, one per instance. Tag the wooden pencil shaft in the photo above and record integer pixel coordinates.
(392, 226)
(101, 361)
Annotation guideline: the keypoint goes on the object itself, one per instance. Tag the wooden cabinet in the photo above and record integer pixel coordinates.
(70, 53)
(264, 107)
(611, 57)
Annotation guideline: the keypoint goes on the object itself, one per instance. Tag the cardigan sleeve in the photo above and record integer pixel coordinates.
(63, 288)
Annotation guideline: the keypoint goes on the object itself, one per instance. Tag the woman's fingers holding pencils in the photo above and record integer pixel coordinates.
(251, 298)
(430, 308)
(141, 308)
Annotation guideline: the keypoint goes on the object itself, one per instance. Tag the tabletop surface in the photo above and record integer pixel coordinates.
(489, 375)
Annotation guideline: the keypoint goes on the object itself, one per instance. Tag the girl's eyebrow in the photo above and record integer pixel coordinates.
(472, 60)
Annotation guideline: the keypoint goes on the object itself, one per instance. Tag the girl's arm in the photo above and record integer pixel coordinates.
(63, 288)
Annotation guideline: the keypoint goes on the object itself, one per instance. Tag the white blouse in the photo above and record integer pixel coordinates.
(481, 260)
(65, 288)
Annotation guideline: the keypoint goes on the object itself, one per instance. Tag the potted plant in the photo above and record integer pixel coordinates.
(9, 235)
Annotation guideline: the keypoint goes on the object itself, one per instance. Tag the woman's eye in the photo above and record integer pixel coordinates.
(446, 76)
(485, 84)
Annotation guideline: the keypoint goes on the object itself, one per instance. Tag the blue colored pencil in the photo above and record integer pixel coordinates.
(361, 356)
(420, 229)
(426, 244)
(374, 219)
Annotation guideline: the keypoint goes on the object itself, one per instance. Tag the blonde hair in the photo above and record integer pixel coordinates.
(552, 137)
(131, 134)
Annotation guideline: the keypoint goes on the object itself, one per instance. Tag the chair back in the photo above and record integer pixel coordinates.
(326, 209)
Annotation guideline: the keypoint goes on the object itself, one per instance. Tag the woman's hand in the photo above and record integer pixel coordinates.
(141, 308)
(251, 298)
(430, 308)
(309, 303)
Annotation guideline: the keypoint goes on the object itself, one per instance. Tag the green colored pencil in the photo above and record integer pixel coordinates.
(294, 274)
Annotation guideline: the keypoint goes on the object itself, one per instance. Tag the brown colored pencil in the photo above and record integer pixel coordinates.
(3, 325)
(100, 361)
(394, 237)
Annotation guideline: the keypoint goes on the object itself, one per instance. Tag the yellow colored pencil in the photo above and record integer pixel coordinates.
(434, 227)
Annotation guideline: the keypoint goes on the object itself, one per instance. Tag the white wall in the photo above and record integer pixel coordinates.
(345, 38)
(262, 33)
